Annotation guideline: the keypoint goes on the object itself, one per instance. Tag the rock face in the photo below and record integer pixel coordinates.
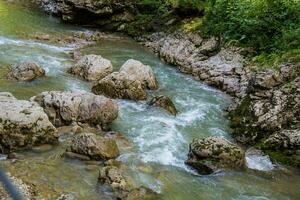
(201, 58)
(130, 82)
(92, 68)
(94, 146)
(63, 108)
(138, 71)
(164, 102)
(27, 71)
(96, 12)
(212, 153)
(264, 111)
(23, 124)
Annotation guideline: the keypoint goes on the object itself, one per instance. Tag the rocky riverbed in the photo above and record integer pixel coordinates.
(140, 150)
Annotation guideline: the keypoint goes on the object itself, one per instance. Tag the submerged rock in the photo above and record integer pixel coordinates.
(212, 153)
(26, 190)
(23, 124)
(27, 71)
(138, 71)
(119, 85)
(63, 108)
(94, 146)
(113, 175)
(164, 102)
(92, 67)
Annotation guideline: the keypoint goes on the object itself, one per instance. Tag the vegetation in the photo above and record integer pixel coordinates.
(270, 27)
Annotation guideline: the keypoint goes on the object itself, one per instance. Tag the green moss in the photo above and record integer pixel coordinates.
(285, 157)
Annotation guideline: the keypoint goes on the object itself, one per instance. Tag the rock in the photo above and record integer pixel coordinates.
(23, 124)
(212, 153)
(112, 176)
(94, 146)
(119, 85)
(90, 11)
(284, 140)
(63, 108)
(27, 71)
(268, 79)
(203, 58)
(123, 143)
(92, 67)
(66, 197)
(138, 71)
(42, 36)
(26, 190)
(141, 193)
(164, 102)
(122, 187)
(72, 155)
(263, 112)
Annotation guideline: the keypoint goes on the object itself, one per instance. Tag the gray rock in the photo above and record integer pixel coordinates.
(165, 103)
(120, 85)
(27, 71)
(63, 108)
(92, 67)
(94, 146)
(284, 140)
(23, 124)
(136, 70)
(212, 153)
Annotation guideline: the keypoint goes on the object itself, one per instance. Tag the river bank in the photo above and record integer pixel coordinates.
(156, 143)
(265, 112)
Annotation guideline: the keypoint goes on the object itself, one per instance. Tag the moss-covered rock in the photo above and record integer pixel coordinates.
(212, 153)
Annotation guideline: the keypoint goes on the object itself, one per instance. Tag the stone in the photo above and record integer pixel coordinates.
(283, 140)
(213, 153)
(112, 176)
(91, 67)
(138, 71)
(94, 146)
(23, 124)
(64, 108)
(165, 103)
(27, 71)
(268, 79)
(119, 85)
(27, 191)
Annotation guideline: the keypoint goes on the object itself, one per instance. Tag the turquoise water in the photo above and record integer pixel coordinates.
(160, 141)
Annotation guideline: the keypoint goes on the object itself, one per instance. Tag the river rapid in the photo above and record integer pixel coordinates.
(159, 141)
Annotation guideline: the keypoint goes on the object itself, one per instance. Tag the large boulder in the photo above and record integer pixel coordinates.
(138, 71)
(63, 108)
(119, 85)
(23, 124)
(212, 153)
(165, 103)
(94, 146)
(27, 71)
(92, 67)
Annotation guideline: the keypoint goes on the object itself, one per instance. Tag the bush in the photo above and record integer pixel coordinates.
(266, 25)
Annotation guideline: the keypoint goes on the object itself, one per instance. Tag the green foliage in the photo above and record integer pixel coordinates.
(266, 25)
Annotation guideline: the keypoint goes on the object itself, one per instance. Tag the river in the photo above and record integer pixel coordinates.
(159, 140)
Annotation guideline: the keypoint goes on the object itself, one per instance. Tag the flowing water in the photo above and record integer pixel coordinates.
(160, 141)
